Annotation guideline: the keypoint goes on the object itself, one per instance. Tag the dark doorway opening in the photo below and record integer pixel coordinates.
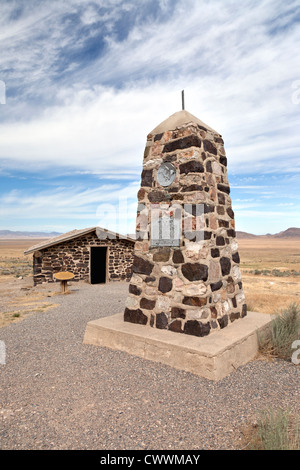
(98, 264)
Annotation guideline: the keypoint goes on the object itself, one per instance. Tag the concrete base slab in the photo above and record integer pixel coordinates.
(214, 356)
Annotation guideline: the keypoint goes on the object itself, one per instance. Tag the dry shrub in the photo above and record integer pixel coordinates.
(274, 430)
(277, 340)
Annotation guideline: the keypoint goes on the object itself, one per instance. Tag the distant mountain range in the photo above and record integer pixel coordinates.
(292, 232)
(13, 234)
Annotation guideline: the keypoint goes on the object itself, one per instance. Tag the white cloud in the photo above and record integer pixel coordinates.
(237, 62)
(104, 130)
(110, 206)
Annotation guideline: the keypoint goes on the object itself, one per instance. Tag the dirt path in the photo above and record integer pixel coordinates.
(18, 299)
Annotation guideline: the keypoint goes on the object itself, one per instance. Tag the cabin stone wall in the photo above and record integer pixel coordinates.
(74, 256)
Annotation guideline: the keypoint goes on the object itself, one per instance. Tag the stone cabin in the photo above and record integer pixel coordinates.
(94, 254)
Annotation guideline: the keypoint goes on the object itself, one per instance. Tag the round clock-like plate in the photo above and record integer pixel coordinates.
(166, 174)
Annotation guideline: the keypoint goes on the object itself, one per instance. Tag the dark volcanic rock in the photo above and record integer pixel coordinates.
(165, 284)
(191, 167)
(141, 266)
(195, 271)
(196, 328)
(161, 320)
(135, 316)
(147, 303)
(185, 142)
(225, 265)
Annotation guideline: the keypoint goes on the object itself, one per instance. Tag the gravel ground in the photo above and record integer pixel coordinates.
(57, 393)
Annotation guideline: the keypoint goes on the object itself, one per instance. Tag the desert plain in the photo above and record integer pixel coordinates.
(270, 273)
(18, 297)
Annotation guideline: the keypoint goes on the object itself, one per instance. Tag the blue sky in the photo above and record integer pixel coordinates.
(83, 82)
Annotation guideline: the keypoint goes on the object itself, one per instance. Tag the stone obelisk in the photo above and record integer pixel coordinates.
(186, 276)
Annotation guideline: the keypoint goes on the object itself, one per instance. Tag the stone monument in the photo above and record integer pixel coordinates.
(186, 275)
(186, 305)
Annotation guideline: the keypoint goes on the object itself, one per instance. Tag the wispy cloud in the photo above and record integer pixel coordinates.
(110, 206)
(86, 82)
(86, 114)
(286, 204)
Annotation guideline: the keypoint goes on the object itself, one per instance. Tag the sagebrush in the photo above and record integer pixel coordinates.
(277, 340)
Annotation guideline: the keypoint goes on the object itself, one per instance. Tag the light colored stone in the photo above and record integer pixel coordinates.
(240, 298)
(220, 310)
(234, 246)
(176, 297)
(167, 135)
(210, 179)
(214, 271)
(156, 149)
(195, 198)
(178, 284)
(216, 168)
(194, 314)
(224, 295)
(191, 254)
(150, 290)
(194, 246)
(230, 288)
(170, 270)
(189, 155)
(195, 154)
(204, 251)
(226, 251)
(216, 297)
(163, 302)
(236, 273)
(131, 302)
(136, 280)
(205, 313)
(142, 246)
(153, 163)
(213, 196)
(195, 289)
(213, 222)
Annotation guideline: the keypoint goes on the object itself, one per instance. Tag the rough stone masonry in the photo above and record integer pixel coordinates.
(74, 256)
(186, 275)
